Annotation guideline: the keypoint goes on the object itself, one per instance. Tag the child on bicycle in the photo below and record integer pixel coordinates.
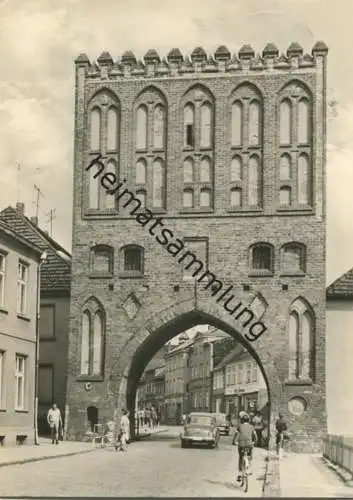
(245, 437)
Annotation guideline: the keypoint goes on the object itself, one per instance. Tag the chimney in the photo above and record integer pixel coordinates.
(34, 220)
(20, 207)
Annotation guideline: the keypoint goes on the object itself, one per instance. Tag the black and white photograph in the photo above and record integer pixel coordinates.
(176, 269)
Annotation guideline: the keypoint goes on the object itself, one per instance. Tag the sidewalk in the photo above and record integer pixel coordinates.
(303, 475)
(11, 455)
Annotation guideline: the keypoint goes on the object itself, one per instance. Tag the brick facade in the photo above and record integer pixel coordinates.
(142, 312)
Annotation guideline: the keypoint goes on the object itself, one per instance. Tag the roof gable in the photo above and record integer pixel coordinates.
(342, 287)
(56, 270)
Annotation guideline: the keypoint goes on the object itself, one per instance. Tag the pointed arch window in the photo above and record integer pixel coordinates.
(189, 125)
(254, 181)
(141, 171)
(141, 127)
(108, 199)
(236, 197)
(301, 331)
(303, 121)
(158, 127)
(95, 129)
(254, 123)
(158, 184)
(246, 137)
(295, 146)
(285, 196)
(141, 195)
(188, 198)
(285, 122)
(92, 340)
(188, 170)
(205, 198)
(112, 135)
(237, 124)
(94, 190)
(151, 110)
(206, 125)
(205, 170)
(303, 180)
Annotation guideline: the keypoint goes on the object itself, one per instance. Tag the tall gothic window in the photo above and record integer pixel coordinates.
(92, 339)
(150, 110)
(246, 137)
(301, 331)
(198, 158)
(104, 123)
(295, 146)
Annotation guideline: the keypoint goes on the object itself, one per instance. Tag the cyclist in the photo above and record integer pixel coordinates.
(245, 436)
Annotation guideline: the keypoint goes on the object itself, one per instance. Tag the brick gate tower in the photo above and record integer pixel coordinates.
(199, 197)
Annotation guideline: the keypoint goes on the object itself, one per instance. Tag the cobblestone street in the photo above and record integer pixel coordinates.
(154, 467)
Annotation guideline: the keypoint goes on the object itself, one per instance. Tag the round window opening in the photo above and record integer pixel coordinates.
(297, 406)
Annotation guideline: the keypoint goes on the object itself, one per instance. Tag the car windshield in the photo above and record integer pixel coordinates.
(200, 420)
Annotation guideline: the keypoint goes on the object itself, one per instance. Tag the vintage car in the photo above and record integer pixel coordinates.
(200, 428)
(222, 423)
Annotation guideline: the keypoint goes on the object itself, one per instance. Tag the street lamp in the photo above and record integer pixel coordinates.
(43, 259)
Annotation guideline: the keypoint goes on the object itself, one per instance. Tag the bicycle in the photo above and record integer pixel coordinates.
(245, 464)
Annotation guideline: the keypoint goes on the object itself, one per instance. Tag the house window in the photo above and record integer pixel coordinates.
(2, 278)
(293, 259)
(254, 372)
(22, 288)
(295, 147)
(240, 374)
(46, 384)
(47, 322)
(92, 335)
(301, 341)
(102, 260)
(262, 258)
(248, 373)
(20, 380)
(133, 259)
(245, 172)
(2, 368)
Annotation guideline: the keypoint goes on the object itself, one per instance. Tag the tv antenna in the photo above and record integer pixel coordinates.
(52, 215)
(37, 194)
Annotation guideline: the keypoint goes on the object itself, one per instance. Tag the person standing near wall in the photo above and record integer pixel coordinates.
(55, 423)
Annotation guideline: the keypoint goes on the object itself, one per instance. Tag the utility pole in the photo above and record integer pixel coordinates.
(52, 215)
(37, 193)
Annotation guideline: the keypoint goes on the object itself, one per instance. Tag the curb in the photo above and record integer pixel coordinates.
(45, 457)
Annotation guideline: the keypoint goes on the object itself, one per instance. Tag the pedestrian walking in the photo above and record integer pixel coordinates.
(124, 434)
(258, 424)
(281, 434)
(55, 423)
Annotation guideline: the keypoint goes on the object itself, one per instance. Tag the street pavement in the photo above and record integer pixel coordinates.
(155, 466)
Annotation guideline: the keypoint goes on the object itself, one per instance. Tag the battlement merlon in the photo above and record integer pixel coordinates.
(222, 61)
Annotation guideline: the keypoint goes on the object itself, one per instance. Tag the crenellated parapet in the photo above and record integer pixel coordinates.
(222, 61)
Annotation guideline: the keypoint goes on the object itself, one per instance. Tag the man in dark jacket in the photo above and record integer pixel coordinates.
(281, 429)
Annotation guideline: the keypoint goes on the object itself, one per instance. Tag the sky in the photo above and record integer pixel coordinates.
(39, 41)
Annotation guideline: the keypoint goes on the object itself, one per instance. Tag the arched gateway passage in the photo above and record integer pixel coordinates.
(162, 334)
